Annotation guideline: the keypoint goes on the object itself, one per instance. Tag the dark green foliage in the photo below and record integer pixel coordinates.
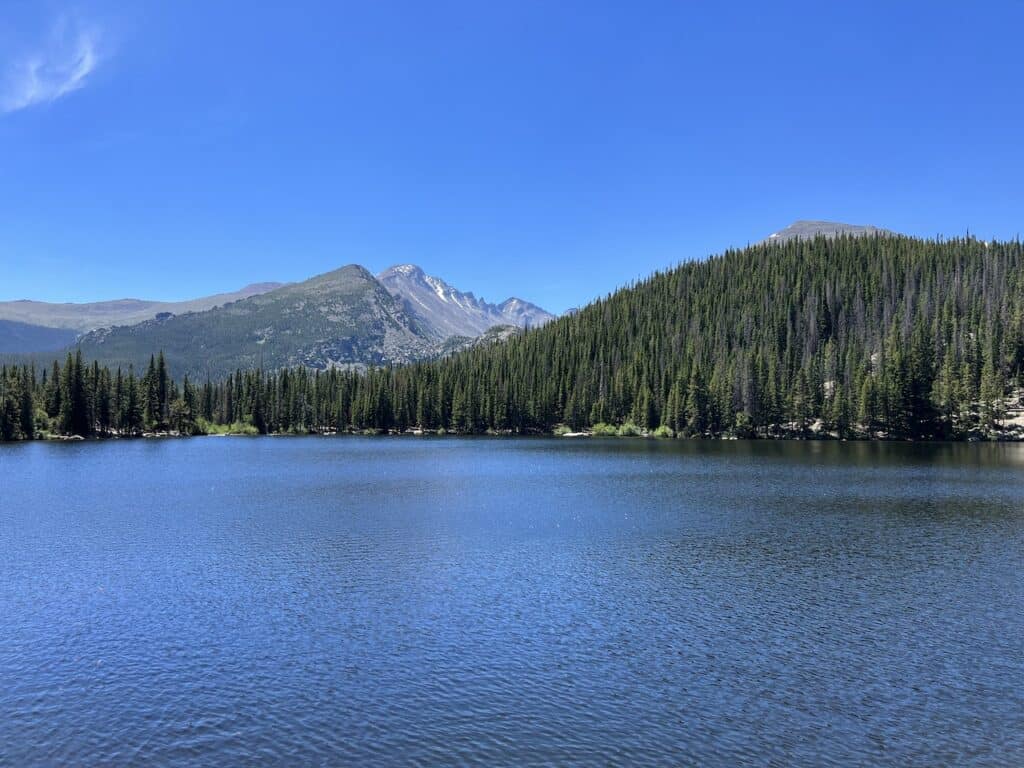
(878, 336)
(74, 399)
(17, 410)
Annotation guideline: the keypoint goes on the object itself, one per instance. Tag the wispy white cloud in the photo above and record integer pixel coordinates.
(57, 67)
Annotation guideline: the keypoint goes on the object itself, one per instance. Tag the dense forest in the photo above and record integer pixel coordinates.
(853, 337)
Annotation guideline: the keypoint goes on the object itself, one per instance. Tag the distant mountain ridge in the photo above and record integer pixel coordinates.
(99, 314)
(446, 311)
(809, 229)
(21, 338)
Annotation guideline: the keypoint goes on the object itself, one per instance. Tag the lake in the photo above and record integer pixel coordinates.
(381, 601)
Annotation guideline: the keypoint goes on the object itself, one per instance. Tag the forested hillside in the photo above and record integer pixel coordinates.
(877, 337)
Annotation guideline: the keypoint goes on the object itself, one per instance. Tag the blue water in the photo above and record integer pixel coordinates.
(381, 601)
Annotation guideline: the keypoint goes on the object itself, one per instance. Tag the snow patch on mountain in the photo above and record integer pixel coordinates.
(444, 311)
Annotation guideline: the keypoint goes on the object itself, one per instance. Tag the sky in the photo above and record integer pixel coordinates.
(551, 151)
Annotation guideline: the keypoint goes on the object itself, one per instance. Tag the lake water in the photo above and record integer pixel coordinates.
(381, 601)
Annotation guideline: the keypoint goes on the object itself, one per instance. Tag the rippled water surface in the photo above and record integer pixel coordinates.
(387, 601)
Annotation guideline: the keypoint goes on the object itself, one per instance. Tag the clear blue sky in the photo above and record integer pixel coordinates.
(549, 150)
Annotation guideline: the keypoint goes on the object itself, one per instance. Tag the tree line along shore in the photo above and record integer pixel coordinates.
(879, 337)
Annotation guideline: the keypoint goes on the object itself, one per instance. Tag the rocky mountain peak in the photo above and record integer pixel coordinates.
(445, 311)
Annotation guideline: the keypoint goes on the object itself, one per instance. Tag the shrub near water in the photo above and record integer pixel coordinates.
(237, 428)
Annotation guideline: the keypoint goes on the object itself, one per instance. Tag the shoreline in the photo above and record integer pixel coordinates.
(586, 435)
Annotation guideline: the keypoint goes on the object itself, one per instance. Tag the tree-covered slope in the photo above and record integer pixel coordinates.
(339, 318)
(877, 335)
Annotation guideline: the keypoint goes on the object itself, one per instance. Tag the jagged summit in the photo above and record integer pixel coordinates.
(446, 311)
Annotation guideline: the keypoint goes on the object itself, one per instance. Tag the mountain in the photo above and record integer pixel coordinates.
(19, 338)
(89, 316)
(445, 311)
(341, 318)
(805, 229)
